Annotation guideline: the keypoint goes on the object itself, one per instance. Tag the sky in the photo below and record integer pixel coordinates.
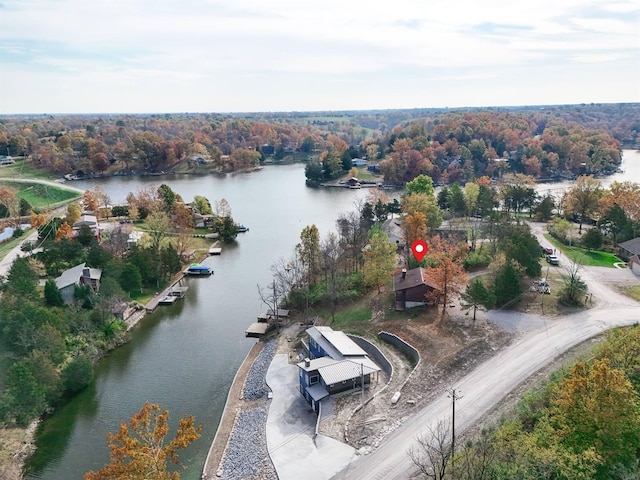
(155, 56)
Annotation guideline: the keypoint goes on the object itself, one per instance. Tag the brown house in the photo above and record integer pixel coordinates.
(411, 288)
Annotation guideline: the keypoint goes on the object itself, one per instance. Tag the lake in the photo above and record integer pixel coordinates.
(184, 357)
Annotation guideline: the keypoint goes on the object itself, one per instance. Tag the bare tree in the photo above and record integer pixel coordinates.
(574, 287)
(477, 459)
(433, 451)
(331, 253)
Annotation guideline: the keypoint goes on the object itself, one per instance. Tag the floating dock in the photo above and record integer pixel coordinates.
(215, 249)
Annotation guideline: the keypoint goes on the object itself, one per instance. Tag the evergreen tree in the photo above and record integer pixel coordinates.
(52, 295)
(506, 286)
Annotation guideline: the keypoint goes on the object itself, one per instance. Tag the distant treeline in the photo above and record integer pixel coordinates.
(448, 144)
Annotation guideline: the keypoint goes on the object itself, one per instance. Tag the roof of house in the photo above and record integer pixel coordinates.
(337, 344)
(89, 220)
(413, 278)
(345, 370)
(70, 277)
(632, 245)
(73, 275)
(317, 392)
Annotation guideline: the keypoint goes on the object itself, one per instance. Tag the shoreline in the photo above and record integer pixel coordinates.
(232, 405)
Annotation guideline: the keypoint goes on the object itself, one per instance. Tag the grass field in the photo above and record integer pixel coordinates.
(24, 168)
(583, 256)
(42, 197)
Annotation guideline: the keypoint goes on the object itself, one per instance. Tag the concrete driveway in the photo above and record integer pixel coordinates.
(290, 428)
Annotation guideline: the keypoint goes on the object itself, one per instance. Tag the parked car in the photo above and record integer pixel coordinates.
(553, 260)
(547, 251)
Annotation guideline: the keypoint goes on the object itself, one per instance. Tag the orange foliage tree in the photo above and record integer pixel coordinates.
(139, 450)
(447, 272)
(65, 231)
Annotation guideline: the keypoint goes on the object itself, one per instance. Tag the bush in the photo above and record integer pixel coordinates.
(477, 259)
(77, 374)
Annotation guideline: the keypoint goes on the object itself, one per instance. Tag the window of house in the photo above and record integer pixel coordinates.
(313, 379)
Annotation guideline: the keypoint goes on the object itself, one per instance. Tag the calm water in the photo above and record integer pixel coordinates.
(184, 357)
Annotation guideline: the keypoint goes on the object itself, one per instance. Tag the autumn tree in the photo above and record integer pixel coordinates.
(447, 271)
(100, 161)
(140, 450)
(65, 231)
(9, 202)
(379, 260)
(89, 202)
(425, 204)
(582, 200)
(309, 251)
(598, 408)
(74, 211)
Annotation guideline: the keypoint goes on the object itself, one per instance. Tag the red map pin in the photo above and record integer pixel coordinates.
(419, 249)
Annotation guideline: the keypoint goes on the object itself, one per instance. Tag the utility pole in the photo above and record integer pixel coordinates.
(454, 396)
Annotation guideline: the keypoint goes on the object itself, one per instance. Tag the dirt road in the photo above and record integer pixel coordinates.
(539, 344)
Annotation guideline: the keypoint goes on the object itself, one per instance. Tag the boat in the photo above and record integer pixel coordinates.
(197, 269)
(241, 229)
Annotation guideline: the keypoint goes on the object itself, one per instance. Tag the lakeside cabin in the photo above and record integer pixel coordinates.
(197, 269)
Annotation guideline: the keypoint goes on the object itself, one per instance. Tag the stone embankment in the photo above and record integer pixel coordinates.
(239, 450)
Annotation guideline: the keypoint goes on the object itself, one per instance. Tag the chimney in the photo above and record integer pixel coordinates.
(404, 273)
(307, 362)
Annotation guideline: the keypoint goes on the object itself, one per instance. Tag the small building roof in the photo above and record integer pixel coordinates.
(90, 220)
(337, 344)
(344, 370)
(317, 392)
(70, 277)
(632, 245)
(317, 363)
(411, 279)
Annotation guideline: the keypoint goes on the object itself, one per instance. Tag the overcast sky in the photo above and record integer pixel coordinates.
(140, 56)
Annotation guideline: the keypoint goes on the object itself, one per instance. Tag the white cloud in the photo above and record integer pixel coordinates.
(332, 53)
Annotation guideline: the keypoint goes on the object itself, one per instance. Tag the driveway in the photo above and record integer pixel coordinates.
(290, 428)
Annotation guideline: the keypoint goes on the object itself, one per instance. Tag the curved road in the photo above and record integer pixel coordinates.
(539, 344)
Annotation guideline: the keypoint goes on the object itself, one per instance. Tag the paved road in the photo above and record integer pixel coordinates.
(483, 388)
(7, 260)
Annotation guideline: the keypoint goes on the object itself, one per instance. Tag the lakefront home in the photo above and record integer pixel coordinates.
(78, 275)
(335, 364)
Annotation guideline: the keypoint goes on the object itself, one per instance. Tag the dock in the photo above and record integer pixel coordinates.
(168, 296)
(215, 249)
(168, 300)
(259, 329)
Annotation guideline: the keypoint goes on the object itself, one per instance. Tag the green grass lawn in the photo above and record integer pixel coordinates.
(11, 244)
(24, 168)
(583, 256)
(44, 196)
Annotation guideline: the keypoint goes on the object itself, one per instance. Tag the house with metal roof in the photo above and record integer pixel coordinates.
(335, 364)
(78, 275)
